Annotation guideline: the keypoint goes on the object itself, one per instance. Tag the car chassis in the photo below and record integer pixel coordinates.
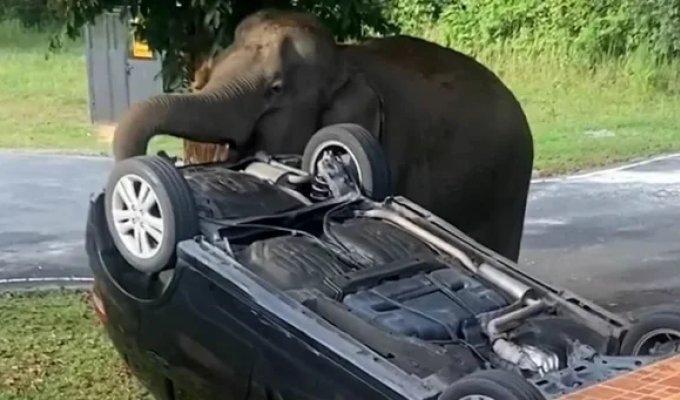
(340, 296)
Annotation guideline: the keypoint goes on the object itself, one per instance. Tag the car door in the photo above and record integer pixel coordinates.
(205, 351)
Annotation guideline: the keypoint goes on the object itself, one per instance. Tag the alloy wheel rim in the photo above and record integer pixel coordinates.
(137, 216)
(340, 150)
(650, 343)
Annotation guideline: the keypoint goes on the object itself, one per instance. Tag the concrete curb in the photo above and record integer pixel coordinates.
(56, 153)
(589, 174)
(47, 280)
(18, 285)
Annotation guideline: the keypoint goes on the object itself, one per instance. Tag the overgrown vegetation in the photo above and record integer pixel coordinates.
(35, 14)
(600, 80)
(593, 30)
(582, 32)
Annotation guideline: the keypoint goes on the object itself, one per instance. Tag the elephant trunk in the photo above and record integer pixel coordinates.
(215, 116)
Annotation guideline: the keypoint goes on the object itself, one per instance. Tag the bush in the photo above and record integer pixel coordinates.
(583, 31)
(591, 29)
(657, 26)
(411, 15)
(33, 14)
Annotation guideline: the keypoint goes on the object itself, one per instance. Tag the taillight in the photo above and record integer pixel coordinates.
(98, 305)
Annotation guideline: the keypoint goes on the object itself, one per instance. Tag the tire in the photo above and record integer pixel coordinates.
(174, 212)
(366, 152)
(660, 324)
(656, 309)
(493, 385)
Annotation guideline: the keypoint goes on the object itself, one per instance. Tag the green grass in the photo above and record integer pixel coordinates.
(53, 348)
(43, 103)
(581, 117)
(43, 96)
(584, 118)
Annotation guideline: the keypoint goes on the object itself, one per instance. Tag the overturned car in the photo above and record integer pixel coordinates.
(281, 277)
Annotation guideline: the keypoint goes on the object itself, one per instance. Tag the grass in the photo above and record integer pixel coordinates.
(50, 345)
(581, 117)
(43, 103)
(53, 348)
(584, 118)
(44, 100)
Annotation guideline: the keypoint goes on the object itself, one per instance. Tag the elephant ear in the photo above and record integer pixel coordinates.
(355, 101)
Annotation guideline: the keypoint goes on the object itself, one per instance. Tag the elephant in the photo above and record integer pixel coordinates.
(456, 138)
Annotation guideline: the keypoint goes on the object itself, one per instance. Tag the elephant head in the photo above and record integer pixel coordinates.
(268, 91)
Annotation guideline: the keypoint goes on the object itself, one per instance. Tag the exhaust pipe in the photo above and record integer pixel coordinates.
(516, 289)
(497, 326)
(526, 357)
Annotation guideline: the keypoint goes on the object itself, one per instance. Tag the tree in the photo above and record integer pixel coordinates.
(188, 32)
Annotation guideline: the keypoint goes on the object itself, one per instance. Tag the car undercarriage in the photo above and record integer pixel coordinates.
(386, 285)
(432, 310)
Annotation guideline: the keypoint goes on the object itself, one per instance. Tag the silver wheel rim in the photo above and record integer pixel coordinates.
(654, 339)
(331, 147)
(137, 216)
(476, 397)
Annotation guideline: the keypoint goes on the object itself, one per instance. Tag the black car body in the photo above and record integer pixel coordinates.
(278, 298)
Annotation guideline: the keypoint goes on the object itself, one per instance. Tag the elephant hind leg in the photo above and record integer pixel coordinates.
(509, 228)
(506, 223)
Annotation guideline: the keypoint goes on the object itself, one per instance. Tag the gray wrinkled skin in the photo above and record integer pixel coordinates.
(457, 140)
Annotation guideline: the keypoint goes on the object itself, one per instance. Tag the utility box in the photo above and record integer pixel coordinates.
(120, 70)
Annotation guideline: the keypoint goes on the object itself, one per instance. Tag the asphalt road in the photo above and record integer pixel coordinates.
(610, 235)
(43, 205)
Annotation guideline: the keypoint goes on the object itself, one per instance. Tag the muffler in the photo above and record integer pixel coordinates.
(525, 357)
(505, 282)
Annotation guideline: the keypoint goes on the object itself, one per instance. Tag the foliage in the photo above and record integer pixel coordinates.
(411, 15)
(581, 117)
(186, 31)
(34, 14)
(591, 29)
(657, 26)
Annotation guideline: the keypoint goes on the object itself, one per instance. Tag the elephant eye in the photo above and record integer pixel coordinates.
(277, 87)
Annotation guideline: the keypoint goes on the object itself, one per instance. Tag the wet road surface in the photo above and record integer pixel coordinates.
(611, 236)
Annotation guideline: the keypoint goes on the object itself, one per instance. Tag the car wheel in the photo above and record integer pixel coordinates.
(654, 333)
(358, 149)
(149, 209)
(492, 385)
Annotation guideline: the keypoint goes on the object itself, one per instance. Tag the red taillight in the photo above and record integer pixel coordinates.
(99, 307)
